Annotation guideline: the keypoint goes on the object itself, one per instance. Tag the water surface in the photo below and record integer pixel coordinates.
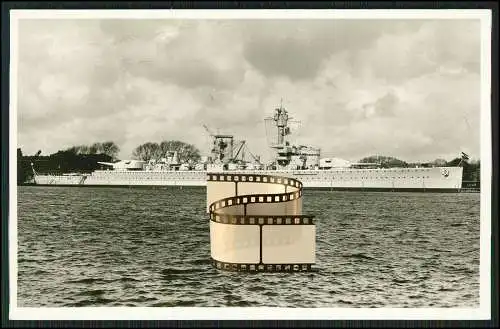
(84, 246)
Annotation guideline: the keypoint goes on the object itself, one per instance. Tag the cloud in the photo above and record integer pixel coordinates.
(398, 57)
(358, 87)
(384, 106)
(297, 48)
(187, 54)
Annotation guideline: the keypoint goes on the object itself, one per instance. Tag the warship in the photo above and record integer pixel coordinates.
(299, 162)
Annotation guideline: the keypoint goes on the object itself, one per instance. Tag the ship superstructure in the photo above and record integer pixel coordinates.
(288, 156)
(296, 161)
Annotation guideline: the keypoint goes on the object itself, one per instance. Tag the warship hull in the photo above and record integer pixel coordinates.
(395, 179)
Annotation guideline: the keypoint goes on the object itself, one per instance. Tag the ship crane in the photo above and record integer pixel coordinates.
(208, 130)
(242, 144)
(255, 158)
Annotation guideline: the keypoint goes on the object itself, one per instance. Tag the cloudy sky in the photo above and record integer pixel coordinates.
(409, 89)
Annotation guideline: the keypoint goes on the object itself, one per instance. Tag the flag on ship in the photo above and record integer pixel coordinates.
(465, 156)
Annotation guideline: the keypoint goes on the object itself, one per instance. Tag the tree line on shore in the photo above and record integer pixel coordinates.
(85, 158)
(186, 152)
(107, 148)
(81, 158)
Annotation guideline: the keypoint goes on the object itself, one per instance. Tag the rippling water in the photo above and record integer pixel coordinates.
(82, 246)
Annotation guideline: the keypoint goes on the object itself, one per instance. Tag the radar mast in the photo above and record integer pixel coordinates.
(288, 156)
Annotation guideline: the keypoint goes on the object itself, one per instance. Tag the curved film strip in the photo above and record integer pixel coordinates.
(256, 224)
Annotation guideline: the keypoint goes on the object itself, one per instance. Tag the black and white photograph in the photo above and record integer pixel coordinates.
(283, 164)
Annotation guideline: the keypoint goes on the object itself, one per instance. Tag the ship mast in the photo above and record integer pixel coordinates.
(281, 119)
(284, 151)
(288, 156)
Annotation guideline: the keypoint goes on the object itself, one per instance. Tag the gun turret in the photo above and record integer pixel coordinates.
(106, 163)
